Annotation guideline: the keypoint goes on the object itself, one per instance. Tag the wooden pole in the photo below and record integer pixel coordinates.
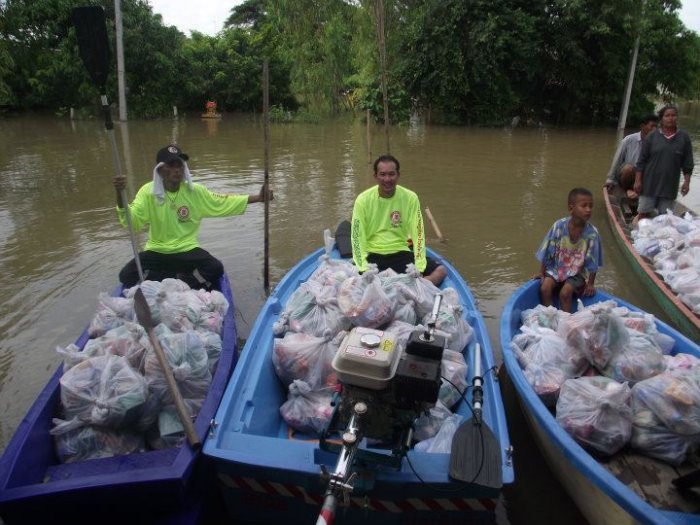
(628, 88)
(143, 314)
(379, 16)
(433, 223)
(120, 60)
(266, 137)
(369, 141)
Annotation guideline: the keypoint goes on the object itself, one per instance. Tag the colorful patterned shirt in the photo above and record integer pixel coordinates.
(563, 258)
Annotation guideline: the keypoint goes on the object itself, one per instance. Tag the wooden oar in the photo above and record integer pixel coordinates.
(143, 313)
(476, 455)
(91, 32)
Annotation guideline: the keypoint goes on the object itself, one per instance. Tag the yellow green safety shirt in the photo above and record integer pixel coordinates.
(384, 226)
(174, 224)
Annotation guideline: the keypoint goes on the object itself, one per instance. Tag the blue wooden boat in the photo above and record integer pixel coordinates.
(268, 476)
(627, 488)
(155, 487)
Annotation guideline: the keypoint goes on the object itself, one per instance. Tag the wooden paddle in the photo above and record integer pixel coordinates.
(91, 32)
(476, 454)
(143, 313)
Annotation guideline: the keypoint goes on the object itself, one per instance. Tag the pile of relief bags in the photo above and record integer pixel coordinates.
(609, 374)
(673, 245)
(114, 395)
(336, 298)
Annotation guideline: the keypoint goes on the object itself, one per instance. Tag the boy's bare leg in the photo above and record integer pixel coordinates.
(566, 297)
(547, 290)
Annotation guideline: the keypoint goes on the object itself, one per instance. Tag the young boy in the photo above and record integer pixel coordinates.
(570, 254)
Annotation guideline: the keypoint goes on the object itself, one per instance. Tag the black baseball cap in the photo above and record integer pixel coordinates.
(171, 153)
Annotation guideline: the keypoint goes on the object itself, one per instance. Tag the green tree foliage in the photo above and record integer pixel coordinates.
(470, 60)
(457, 61)
(152, 61)
(41, 73)
(587, 51)
(317, 37)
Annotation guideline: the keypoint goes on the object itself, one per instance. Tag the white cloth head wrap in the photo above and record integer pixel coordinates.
(159, 189)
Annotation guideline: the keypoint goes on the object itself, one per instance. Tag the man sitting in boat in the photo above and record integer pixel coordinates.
(622, 171)
(570, 254)
(173, 207)
(385, 219)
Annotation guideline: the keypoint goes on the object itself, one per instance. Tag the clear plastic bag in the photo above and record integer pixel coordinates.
(653, 438)
(332, 272)
(547, 361)
(596, 332)
(674, 398)
(639, 360)
(454, 368)
(362, 300)
(313, 309)
(596, 412)
(451, 322)
(307, 410)
(441, 443)
(104, 391)
(81, 443)
(188, 360)
(428, 425)
(544, 316)
(306, 357)
(110, 313)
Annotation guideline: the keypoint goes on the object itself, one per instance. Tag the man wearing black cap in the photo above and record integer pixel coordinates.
(173, 207)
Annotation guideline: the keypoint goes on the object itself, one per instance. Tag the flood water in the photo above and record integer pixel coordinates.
(493, 193)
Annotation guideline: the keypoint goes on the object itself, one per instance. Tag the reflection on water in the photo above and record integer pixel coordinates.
(493, 193)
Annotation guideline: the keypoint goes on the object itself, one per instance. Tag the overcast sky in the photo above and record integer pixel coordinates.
(208, 16)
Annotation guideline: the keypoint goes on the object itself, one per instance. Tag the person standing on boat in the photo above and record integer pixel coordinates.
(622, 170)
(386, 222)
(570, 254)
(665, 154)
(173, 207)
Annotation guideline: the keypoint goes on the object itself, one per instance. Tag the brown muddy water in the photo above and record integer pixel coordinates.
(493, 193)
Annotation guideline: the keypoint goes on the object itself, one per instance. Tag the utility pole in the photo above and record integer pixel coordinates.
(120, 59)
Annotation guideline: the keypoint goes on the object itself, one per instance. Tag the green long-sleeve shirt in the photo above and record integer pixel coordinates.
(174, 224)
(384, 226)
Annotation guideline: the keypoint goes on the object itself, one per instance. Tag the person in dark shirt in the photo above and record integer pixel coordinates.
(665, 154)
